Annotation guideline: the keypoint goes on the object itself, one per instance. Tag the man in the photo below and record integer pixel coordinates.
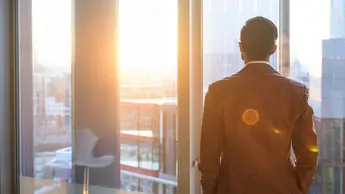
(250, 121)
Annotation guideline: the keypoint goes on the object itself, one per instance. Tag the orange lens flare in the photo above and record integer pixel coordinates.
(250, 117)
(277, 131)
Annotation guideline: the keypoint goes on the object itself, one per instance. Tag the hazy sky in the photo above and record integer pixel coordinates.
(309, 20)
(148, 32)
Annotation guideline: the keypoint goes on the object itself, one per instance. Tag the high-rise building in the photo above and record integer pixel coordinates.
(329, 109)
(337, 19)
(327, 97)
(300, 74)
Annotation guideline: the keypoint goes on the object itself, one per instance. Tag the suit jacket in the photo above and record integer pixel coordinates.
(249, 123)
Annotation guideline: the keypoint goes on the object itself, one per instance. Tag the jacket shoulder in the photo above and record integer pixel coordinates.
(222, 84)
(297, 89)
(297, 85)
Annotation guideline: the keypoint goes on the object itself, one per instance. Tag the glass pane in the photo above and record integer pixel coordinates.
(317, 59)
(129, 117)
(148, 59)
(222, 22)
(129, 154)
(79, 118)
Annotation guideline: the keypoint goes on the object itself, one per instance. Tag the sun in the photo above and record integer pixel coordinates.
(147, 34)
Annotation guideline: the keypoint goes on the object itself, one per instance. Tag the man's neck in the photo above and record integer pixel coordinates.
(254, 61)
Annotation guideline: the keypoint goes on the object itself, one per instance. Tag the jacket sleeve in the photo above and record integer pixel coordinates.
(211, 145)
(304, 143)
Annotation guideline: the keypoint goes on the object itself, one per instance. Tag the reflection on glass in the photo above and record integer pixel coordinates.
(147, 57)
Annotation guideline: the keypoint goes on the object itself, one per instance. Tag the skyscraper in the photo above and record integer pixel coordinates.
(337, 19)
(327, 97)
(330, 113)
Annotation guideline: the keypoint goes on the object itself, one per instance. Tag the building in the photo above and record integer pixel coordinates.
(39, 97)
(337, 19)
(300, 74)
(328, 101)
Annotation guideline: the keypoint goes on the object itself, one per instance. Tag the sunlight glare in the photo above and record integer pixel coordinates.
(147, 34)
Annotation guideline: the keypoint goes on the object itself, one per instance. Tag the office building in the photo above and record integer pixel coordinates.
(337, 19)
(328, 101)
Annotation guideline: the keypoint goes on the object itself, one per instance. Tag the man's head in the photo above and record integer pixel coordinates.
(258, 39)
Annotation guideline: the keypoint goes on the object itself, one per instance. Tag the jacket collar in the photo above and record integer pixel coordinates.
(257, 68)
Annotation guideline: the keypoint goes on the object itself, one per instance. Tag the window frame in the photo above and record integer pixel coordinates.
(8, 97)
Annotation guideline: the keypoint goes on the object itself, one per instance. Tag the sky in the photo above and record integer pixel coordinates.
(148, 33)
(309, 20)
(51, 31)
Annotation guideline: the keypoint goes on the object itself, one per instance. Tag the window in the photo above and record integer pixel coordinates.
(129, 155)
(147, 186)
(87, 103)
(146, 156)
(221, 57)
(98, 86)
(129, 119)
(149, 121)
(319, 49)
(169, 190)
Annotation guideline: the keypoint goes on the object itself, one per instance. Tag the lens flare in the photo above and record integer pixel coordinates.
(313, 148)
(277, 131)
(250, 117)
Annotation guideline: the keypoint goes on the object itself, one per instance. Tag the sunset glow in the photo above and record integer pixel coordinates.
(148, 33)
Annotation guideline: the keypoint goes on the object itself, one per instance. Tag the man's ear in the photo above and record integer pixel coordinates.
(241, 47)
(274, 49)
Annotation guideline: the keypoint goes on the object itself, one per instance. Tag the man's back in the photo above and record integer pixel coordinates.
(250, 119)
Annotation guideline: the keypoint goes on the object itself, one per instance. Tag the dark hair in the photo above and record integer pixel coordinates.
(258, 37)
